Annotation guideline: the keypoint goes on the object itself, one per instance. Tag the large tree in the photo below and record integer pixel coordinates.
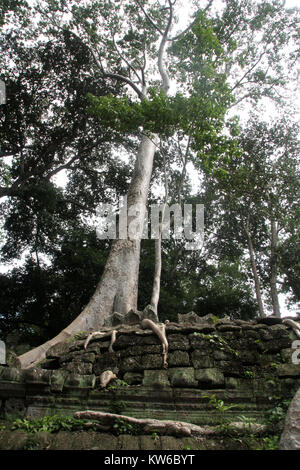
(256, 200)
(133, 36)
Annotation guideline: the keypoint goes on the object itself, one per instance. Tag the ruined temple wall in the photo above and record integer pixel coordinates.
(245, 364)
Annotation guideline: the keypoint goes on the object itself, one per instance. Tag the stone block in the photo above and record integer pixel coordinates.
(152, 361)
(210, 377)
(286, 355)
(80, 381)
(58, 378)
(131, 364)
(14, 408)
(220, 355)
(14, 440)
(133, 378)
(199, 361)
(156, 379)
(57, 350)
(128, 442)
(37, 376)
(229, 327)
(107, 361)
(182, 377)
(288, 370)
(79, 367)
(11, 374)
(171, 443)
(150, 443)
(178, 341)
(105, 441)
(198, 341)
(63, 440)
(178, 358)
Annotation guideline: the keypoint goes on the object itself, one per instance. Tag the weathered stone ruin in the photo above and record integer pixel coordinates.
(218, 371)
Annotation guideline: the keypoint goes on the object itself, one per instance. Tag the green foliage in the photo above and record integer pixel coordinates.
(219, 405)
(249, 374)
(78, 336)
(270, 442)
(50, 424)
(278, 413)
(163, 115)
(219, 341)
(47, 126)
(122, 426)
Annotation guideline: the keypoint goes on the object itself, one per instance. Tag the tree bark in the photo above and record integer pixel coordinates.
(255, 274)
(118, 288)
(273, 279)
(158, 247)
(164, 427)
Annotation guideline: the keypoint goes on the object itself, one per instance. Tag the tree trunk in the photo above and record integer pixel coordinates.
(118, 288)
(273, 280)
(255, 274)
(158, 247)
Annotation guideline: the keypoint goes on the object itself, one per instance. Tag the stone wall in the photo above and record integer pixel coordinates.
(247, 365)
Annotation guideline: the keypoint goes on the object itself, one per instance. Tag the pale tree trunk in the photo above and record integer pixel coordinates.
(254, 272)
(273, 279)
(118, 288)
(158, 247)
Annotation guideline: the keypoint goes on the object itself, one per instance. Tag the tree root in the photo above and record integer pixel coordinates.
(100, 334)
(293, 324)
(92, 335)
(165, 427)
(160, 330)
(106, 377)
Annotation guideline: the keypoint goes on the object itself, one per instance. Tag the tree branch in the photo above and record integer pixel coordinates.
(191, 24)
(162, 70)
(148, 18)
(61, 167)
(126, 61)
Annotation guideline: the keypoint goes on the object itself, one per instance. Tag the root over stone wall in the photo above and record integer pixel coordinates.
(217, 369)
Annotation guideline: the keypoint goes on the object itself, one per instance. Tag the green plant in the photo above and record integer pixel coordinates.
(218, 405)
(117, 406)
(247, 421)
(218, 341)
(30, 444)
(2, 427)
(111, 387)
(270, 442)
(123, 383)
(77, 336)
(249, 374)
(51, 424)
(124, 427)
(277, 414)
